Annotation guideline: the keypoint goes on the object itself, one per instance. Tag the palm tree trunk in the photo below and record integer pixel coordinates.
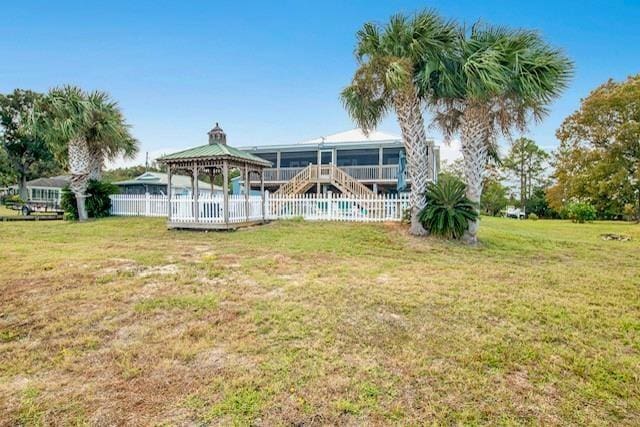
(97, 163)
(474, 135)
(419, 164)
(79, 165)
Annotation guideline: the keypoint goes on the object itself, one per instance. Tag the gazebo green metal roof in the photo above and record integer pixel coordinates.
(215, 151)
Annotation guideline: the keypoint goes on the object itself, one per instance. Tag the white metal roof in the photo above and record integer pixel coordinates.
(351, 136)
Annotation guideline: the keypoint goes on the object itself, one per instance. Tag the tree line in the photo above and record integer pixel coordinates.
(596, 165)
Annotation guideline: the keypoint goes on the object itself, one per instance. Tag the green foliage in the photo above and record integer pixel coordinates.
(538, 204)
(123, 174)
(499, 75)
(581, 212)
(14, 198)
(7, 173)
(69, 113)
(24, 154)
(448, 211)
(526, 163)
(494, 197)
(453, 168)
(98, 201)
(599, 155)
(533, 217)
(389, 57)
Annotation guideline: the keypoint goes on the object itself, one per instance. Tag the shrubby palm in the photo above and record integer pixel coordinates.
(84, 129)
(448, 211)
(389, 58)
(494, 80)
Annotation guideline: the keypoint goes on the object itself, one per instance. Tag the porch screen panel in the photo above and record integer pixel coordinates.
(271, 157)
(390, 156)
(298, 159)
(358, 157)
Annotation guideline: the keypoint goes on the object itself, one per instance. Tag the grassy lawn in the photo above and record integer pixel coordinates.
(120, 321)
(4, 211)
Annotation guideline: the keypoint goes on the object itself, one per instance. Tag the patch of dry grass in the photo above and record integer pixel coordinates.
(120, 321)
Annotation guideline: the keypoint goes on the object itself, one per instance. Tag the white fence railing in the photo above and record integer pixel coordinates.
(337, 207)
(139, 205)
(363, 173)
(209, 209)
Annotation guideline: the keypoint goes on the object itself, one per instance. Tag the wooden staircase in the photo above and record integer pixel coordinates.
(325, 174)
(301, 182)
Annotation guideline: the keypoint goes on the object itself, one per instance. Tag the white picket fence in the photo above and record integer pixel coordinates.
(139, 205)
(328, 207)
(337, 207)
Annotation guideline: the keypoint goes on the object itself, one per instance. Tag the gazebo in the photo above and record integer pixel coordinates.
(215, 211)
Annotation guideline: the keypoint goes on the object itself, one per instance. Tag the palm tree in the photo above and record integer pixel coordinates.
(389, 58)
(108, 136)
(84, 129)
(494, 81)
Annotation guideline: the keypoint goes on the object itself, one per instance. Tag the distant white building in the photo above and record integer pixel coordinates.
(155, 183)
(47, 190)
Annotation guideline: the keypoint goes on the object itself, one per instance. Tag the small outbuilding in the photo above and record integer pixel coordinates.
(215, 211)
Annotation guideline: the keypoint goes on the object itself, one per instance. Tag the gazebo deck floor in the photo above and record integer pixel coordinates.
(177, 225)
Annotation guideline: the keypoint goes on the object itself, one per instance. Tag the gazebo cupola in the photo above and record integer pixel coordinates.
(215, 158)
(217, 135)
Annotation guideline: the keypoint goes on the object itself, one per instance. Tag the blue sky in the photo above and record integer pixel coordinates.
(269, 72)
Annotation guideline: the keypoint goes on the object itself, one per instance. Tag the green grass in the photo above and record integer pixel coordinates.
(181, 302)
(318, 323)
(5, 211)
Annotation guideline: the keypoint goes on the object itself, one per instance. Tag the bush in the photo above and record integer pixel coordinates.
(581, 212)
(448, 210)
(533, 217)
(629, 212)
(98, 201)
(14, 198)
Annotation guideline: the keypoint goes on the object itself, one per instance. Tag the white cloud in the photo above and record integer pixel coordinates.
(450, 152)
(141, 158)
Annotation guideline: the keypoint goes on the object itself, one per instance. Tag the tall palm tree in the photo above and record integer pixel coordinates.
(108, 136)
(494, 81)
(84, 129)
(389, 59)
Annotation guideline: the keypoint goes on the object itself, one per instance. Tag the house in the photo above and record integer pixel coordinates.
(47, 190)
(346, 162)
(155, 183)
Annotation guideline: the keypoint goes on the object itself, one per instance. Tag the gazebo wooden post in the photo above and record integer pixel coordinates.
(225, 190)
(247, 186)
(212, 175)
(169, 170)
(264, 214)
(196, 190)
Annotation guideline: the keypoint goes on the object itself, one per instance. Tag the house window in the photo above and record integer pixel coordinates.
(271, 157)
(390, 156)
(358, 157)
(298, 159)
